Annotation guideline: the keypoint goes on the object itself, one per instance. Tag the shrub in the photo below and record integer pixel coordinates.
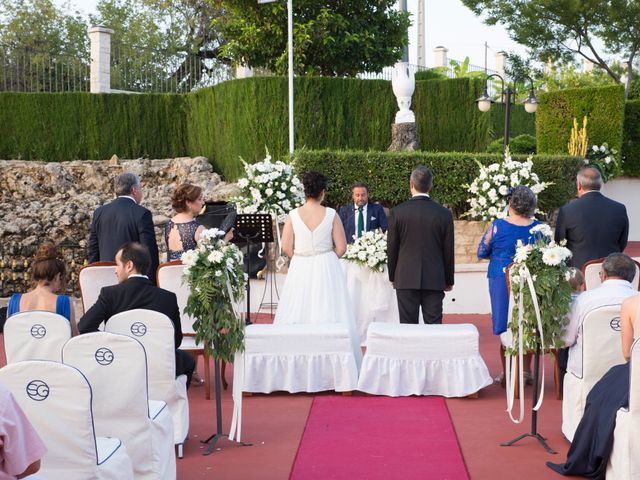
(634, 92)
(431, 74)
(631, 139)
(387, 174)
(604, 107)
(525, 144)
(520, 122)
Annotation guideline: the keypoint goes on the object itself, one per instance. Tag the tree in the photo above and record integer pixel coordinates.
(331, 37)
(561, 29)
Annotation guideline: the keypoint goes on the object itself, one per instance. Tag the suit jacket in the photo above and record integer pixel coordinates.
(136, 292)
(420, 245)
(117, 223)
(594, 226)
(376, 218)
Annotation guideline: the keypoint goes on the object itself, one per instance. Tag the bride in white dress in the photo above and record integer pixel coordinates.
(315, 290)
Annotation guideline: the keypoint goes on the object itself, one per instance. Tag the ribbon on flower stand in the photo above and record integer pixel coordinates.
(235, 431)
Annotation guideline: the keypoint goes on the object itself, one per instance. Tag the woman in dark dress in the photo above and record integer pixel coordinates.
(182, 232)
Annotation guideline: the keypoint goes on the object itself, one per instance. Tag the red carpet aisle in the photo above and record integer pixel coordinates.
(379, 438)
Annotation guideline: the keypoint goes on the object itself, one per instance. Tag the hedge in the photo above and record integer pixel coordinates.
(69, 126)
(520, 122)
(387, 174)
(631, 139)
(604, 107)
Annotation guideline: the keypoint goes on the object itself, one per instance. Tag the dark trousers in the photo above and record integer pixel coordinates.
(410, 301)
(563, 359)
(185, 365)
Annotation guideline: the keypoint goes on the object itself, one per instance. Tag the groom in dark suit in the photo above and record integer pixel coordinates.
(123, 220)
(593, 225)
(135, 290)
(361, 216)
(420, 251)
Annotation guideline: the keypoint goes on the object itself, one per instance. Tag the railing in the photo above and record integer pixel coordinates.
(24, 70)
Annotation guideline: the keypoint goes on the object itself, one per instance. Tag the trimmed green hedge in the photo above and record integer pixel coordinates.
(387, 174)
(604, 107)
(69, 126)
(520, 122)
(631, 139)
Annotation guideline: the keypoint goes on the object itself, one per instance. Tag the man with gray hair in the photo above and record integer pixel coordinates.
(593, 225)
(617, 274)
(121, 221)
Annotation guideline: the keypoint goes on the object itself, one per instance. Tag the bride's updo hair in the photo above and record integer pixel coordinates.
(47, 264)
(183, 194)
(314, 183)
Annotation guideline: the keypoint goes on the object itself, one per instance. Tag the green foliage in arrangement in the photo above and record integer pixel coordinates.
(524, 144)
(520, 122)
(387, 174)
(70, 126)
(604, 107)
(631, 139)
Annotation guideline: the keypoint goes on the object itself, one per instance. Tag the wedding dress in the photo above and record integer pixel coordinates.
(315, 290)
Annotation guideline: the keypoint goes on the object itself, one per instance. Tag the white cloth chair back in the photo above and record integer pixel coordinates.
(116, 367)
(591, 272)
(56, 399)
(93, 278)
(170, 278)
(155, 331)
(35, 335)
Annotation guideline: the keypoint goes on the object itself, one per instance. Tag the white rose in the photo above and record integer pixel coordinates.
(269, 191)
(486, 186)
(215, 257)
(595, 148)
(493, 211)
(603, 148)
(524, 173)
(243, 183)
(515, 180)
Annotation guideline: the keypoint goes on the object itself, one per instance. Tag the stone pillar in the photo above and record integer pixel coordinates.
(244, 72)
(422, 37)
(587, 65)
(501, 59)
(100, 38)
(440, 57)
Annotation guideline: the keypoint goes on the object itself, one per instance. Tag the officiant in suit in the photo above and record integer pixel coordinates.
(420, 250)
(123, 220)
(361, 216)
(593, 225)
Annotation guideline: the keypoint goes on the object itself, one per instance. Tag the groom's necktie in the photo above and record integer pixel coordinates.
(360, 222)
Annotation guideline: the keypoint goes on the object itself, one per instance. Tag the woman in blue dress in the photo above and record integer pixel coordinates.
(498, 244)
(48, 273)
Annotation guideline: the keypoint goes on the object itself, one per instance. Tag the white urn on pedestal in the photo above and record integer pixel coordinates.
(404, 135)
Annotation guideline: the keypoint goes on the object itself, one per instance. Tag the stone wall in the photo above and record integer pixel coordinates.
(467, 237)
(54, 201)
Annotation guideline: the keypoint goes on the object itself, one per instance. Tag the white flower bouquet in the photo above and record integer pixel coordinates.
(545, 262)
(495, 182)
(604, 159)
(369, 250)
(269, 187)
(215, 274)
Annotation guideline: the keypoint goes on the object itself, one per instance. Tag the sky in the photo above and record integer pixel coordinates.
(448, 23)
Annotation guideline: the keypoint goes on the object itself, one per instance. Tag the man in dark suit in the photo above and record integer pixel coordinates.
(135, 290)
(362, 216)
(420, 251)
(123, 220)
(593, 225)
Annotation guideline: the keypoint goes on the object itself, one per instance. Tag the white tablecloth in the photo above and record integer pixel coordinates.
(299, 358)
(423, 360)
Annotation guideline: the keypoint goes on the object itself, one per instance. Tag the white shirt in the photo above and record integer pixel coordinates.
(420, 195)
(610, 292)
(364, 217)
(129, 197)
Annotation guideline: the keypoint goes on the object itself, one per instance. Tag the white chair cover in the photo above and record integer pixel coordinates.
(600, 351)
(591, 273)
(35, 335)
(170, 278)
(92, 279)
(624, 462)
(155, 331)
(406, 360)
(56, 399)
(299, 358)
(116, 367)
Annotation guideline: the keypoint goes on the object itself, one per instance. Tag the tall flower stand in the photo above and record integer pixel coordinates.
(272, 249)
(213, 439)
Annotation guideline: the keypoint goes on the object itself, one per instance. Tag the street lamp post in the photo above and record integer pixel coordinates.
(484, 103)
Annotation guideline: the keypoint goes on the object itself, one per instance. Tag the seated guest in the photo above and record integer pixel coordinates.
(20, 446)
(135, 290)
(362, 216)
(592, 443)
(48, 273)
(618, 271)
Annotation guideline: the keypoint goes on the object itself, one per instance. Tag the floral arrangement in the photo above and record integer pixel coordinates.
(369, 250)
(269, 187)
(495, 182)
(604, 159)
(215, 274)
(546, 263)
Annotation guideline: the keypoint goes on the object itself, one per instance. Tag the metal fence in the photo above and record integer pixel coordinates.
(24, 70)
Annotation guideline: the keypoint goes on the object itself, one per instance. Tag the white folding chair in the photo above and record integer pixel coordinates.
(155, 331)
(591, 272)
(35, 335)
(116, 367)
(56, 398)
(169, 277)
(600, 351)
(92, 279)
(624, 463)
